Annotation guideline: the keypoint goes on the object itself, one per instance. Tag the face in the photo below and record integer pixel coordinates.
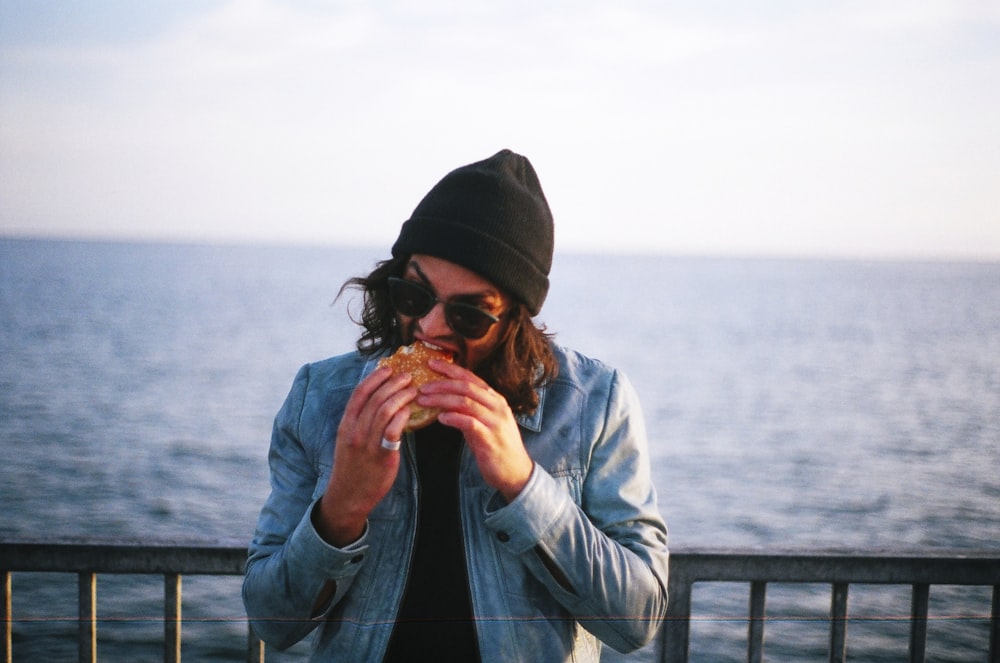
(452, 283)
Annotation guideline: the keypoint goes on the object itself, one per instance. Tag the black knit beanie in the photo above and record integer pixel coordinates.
(490, 217)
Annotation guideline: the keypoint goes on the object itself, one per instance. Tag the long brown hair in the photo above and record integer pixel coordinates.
(522, 362)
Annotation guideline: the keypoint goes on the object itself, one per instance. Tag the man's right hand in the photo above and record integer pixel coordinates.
(363, 471)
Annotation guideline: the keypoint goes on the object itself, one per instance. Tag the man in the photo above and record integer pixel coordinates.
(523, 525)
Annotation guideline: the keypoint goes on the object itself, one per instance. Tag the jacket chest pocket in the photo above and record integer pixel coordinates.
(391, 506)
(571, 481)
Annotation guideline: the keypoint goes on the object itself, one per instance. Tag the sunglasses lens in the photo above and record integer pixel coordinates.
(468, 321)
(410, 298)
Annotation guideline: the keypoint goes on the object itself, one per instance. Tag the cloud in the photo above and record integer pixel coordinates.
(850, 128)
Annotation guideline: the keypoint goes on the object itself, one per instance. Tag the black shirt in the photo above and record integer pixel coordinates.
(435, 619)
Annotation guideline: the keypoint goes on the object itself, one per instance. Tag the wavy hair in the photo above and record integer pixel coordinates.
(522, 362)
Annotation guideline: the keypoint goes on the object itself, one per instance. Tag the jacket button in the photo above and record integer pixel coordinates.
(503, 537)
(357, 558)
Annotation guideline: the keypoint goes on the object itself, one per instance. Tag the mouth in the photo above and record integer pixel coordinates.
(442, 348)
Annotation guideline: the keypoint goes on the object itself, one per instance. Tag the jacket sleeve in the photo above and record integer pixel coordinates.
(604, 560)
(289, 564)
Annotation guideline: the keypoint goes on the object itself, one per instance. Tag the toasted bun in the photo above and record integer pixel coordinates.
(413, 359)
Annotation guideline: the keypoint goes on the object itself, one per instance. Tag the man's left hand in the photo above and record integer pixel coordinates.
(484, 417)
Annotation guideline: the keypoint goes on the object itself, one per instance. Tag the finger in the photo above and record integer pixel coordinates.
(391, 402)
(471, 385)
(457, 404)
(373, 404)
(455, 379)
(391, 445)
(394, 430)
(471, 426)
(375, 379)
(364, 390)
(451, 370)
(389, 395)
(462, 396)
(391, 387)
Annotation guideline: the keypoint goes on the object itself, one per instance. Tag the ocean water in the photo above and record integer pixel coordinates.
(789, 403)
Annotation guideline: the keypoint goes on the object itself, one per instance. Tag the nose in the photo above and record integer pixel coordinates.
(434, 324)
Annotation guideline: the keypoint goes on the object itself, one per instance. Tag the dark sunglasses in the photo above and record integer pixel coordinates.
(416, 300)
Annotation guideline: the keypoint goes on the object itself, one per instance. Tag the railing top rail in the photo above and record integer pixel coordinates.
(886, 566)
(693, 564)
(186, 556)
(932, 552)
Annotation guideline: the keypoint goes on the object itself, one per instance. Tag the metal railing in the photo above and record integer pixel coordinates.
(839, 570)
(173, 560)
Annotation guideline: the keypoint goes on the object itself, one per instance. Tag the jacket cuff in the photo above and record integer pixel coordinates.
(321, 561)
(522, 524)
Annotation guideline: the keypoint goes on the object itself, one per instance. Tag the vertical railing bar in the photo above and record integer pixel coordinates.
(918, 622)
(6, 613)
(87, 635)
(676, 630)
(995, 626)
(172, 618)
(755, 631)
(255, 646)
(838, 623)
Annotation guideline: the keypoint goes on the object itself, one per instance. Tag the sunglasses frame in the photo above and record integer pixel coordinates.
(452, 310)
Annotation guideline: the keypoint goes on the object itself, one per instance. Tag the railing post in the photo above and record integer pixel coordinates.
(755, 631)
(838, 623)
(918, 622)
(87, 636)
(255, 646)
(6, 655)
(676, 630)
(172, 618)
(995, 626)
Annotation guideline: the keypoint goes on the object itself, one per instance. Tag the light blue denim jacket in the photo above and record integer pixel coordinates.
(589, 507)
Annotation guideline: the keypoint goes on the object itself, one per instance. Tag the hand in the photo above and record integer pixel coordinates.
(363, 472)
(484, 417)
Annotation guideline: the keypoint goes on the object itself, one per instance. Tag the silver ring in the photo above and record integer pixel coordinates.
(389, 445)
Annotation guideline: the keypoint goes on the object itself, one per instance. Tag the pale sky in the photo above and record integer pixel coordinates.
(761, 127)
